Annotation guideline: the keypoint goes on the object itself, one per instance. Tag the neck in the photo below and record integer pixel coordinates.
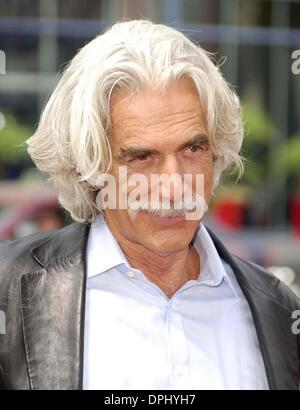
(168, 270)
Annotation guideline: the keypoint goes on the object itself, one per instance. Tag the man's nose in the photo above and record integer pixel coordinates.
(171, 185)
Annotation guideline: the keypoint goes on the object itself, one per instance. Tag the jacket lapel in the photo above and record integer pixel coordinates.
(272, 321)
(277, 342)
(52, 310)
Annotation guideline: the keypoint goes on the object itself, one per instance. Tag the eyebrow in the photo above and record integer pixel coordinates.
(131, 152)
(197, 139)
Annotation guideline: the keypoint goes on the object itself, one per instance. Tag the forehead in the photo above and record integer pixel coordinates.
(151, 116)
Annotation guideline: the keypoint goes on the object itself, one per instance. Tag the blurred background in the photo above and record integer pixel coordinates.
(257, 43)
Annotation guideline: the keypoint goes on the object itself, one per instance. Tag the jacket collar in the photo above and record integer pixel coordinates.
(52, 310)
(53, 306)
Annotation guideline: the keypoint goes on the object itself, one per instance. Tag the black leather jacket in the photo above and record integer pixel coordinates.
(42, 292)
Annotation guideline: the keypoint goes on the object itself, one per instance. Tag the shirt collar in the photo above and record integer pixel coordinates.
(104, 253)
(212, 268)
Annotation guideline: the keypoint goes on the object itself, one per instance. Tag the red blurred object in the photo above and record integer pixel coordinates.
(295, 215)
(230, 213)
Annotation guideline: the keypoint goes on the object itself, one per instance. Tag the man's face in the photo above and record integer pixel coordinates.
(154, 133)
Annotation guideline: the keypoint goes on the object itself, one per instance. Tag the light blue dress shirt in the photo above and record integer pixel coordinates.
(135, 337)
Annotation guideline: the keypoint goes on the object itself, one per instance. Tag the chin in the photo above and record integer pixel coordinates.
(161, 241)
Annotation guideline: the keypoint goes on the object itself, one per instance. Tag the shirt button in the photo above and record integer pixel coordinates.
(178, 371)
(130, 274)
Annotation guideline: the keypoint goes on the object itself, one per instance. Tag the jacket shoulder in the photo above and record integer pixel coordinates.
(37, 251)
(16, 258)
(268, 283)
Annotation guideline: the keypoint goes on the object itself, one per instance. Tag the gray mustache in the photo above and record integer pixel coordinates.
(167, 208)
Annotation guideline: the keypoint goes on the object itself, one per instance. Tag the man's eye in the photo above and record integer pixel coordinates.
(142, 157)
(196, 147)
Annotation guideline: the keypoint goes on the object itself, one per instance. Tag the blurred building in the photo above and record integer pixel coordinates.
(257, 38)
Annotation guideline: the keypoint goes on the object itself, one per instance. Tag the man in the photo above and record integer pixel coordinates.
(137, 293)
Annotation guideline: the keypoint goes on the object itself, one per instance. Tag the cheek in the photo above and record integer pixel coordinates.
(205, 168)
(208, 179)
(208, 169)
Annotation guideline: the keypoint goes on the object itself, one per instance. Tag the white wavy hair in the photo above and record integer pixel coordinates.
(71, 142)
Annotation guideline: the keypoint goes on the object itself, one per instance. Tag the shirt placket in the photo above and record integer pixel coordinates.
(177, 345)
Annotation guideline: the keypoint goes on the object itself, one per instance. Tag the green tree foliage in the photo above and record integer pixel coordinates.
(12, 137)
